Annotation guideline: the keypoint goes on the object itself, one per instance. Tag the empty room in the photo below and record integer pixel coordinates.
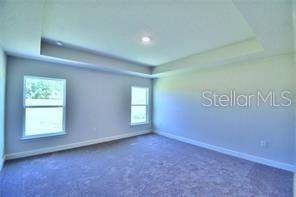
(148, 98)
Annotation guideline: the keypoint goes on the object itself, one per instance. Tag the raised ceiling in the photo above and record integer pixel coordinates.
(210, 32)
(177, 28)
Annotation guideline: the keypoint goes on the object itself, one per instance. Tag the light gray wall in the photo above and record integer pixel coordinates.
(98, 104)
(178, 109)
(2, 103)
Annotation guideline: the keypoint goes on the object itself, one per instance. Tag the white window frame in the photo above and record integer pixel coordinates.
(63, 132)
(147, 106)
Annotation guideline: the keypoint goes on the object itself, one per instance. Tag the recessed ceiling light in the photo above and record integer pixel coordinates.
(59, 43)
(146, 40)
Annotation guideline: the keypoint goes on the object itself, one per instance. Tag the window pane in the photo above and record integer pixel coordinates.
(43, 121)
(139, 96)
(39, 91)
(138, 114)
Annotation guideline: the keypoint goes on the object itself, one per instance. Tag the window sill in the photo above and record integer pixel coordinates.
(139, 124)
(42, 136)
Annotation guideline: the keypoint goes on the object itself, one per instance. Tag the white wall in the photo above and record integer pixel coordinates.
(98, 104)
(178, 110)
(2, 103)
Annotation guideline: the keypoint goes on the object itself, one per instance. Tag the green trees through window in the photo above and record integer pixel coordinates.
(43, 89)
(140, 105)
(44, 106)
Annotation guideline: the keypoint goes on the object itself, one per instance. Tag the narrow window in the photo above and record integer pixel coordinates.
(139, 105)
(44, 106)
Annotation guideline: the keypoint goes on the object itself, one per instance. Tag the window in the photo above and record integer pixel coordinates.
(44, 106)
(139, 105)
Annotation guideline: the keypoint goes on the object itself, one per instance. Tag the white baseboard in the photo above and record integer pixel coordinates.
(73, 145)
(226, 151)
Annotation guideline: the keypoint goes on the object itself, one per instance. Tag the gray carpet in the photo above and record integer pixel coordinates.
(147, 165)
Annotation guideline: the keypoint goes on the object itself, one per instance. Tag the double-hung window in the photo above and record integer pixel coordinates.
(44, 106)
(139, 105)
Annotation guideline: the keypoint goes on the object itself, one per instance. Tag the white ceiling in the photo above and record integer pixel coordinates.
(21, 25)
(271, 21)
(178, 28)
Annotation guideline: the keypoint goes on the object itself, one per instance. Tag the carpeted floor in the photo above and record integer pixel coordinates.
(148, 165)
